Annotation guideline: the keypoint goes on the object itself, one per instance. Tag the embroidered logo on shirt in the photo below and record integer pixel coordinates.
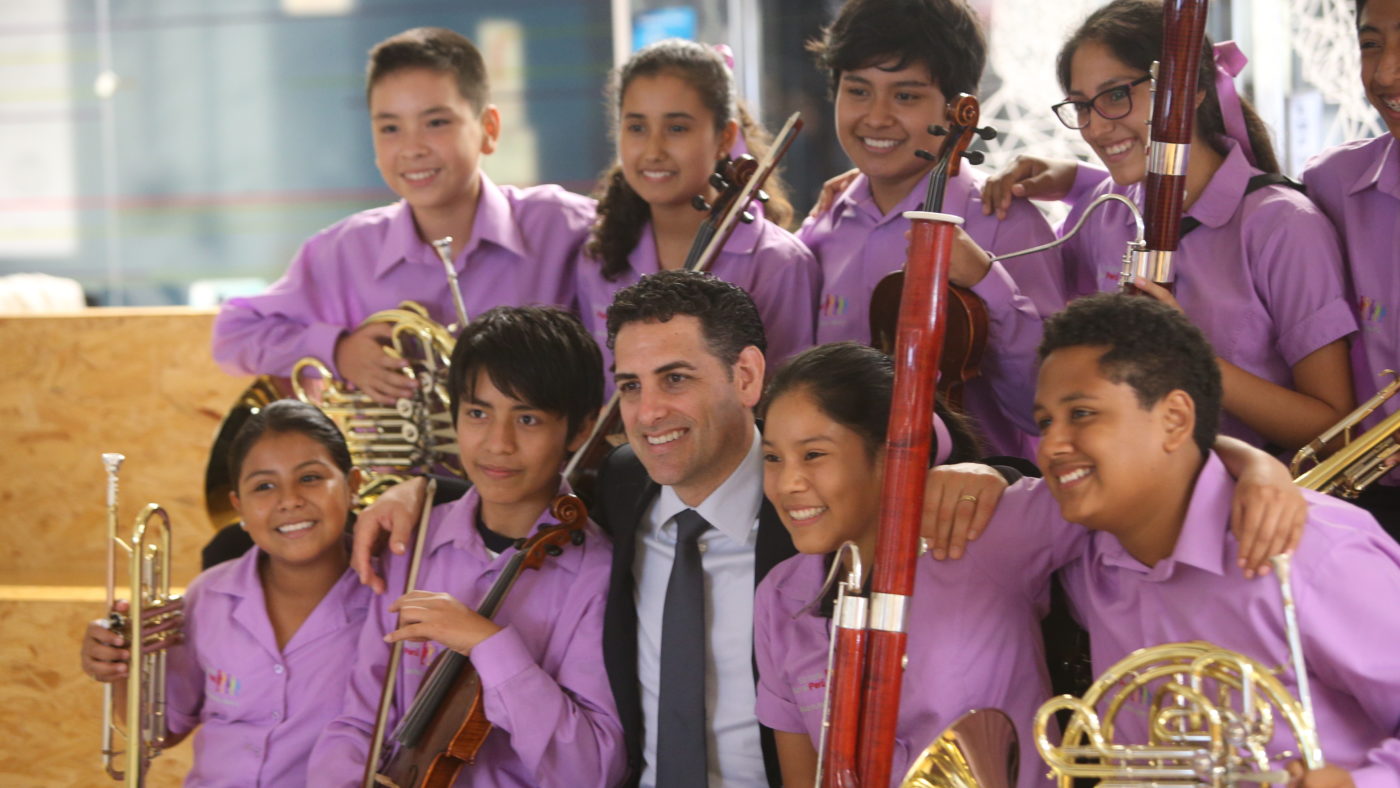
(808, 688)
(1371, 313)
(418, 655)
(833, 305)
(224, 684)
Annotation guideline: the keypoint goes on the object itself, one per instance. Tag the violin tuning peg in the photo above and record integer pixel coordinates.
(554, 550)
(987, 133)
(699, 203)
(973, 156)
(937, 131)
(746, 217)
(923, 154)
(718, 181)
(761, 196)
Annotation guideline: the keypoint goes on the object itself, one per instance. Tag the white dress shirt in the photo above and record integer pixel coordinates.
(727, 557)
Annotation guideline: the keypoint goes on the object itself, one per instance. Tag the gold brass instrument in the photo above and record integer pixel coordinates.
(388, 443)
(148, 626)
(979, 750)
(1359, 462)
(1212, 714)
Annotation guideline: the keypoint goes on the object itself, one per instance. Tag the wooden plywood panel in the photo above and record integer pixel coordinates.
(136, 381)
(50, 711)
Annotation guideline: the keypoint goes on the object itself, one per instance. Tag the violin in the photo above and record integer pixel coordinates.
(966, 323)
(738, 182)
(446, 724)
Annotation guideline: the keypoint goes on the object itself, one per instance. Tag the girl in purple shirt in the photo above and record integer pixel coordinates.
(1259, 273)
(269, 637)
(677, 115)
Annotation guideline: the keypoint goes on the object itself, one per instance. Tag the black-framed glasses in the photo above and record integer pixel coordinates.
(1111, 104)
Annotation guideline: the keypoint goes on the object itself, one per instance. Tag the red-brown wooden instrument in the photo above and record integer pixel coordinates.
(909, 445)
(1172, 120)
(445, 726)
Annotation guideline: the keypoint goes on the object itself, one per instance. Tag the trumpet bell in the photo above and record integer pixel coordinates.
(979, 750)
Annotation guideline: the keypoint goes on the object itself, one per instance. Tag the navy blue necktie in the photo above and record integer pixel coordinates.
(681, 731)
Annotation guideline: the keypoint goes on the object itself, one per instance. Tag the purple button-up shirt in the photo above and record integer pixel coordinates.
(974, 636)
(1358, 186)
(1261, 276)
(776, 270)
(542, 675)
(259, 708)
(521, 252)
(1346, 580)
(857, 246)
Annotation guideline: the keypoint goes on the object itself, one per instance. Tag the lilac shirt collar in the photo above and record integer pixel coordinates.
(1223, 197)
(463, 535)
(493, 224)
(1383, 175)
(1202, 542)
(858, 197)
(244, 584)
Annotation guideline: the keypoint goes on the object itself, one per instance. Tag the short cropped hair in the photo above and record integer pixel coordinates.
(729, 321)
(943, 35)
(283, 416)
(1148, 345)
(540, 355)
(436, 49)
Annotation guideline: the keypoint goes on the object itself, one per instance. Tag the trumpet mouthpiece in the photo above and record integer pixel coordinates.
(112, 461)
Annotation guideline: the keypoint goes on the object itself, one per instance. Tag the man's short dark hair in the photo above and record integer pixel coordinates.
(436, 49)
(540, 355)
(1147, 345)
(729, 320)
(944, 35)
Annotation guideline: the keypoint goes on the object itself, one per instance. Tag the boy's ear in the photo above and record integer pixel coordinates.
(726, 139)
(748, 375)
(1178, 413)
(491, 128)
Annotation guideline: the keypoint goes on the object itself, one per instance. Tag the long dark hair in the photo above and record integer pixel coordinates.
(1132, 31)
(853, 384)
(622, 213)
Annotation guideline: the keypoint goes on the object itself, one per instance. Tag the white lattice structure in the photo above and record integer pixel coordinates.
(1024, 37)
(1324, 39)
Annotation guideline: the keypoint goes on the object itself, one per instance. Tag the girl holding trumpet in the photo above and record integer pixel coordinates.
(269, 636)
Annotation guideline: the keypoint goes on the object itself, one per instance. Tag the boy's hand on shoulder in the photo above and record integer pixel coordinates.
(1029, 177)
(393, 515)
(831, 190)
(424, 615)
(1267, 511)
(959, 499)
(360, 359)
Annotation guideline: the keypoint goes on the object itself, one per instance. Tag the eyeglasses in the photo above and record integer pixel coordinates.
(1111, 104)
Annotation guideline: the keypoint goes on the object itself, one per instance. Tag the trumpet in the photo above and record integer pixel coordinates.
(148, 627)
(1361, 461)
(1212, 714)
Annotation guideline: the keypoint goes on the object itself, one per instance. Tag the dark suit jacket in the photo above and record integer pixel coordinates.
(624, 493)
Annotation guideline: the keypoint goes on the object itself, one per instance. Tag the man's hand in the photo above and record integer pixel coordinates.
(441, 618)
(1028, 177)
(393, 515)
(958, 501)
(831, 190)
(360, 359)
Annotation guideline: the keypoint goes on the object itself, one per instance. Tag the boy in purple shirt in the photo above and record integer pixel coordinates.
(431, 121)
(525, 383)
(269, 636)
(1128, 403)
(1357, 184)
(890, 82)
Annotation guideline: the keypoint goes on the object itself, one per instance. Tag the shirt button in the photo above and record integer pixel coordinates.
(277, 669)
(702, 547)
(276, 715)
